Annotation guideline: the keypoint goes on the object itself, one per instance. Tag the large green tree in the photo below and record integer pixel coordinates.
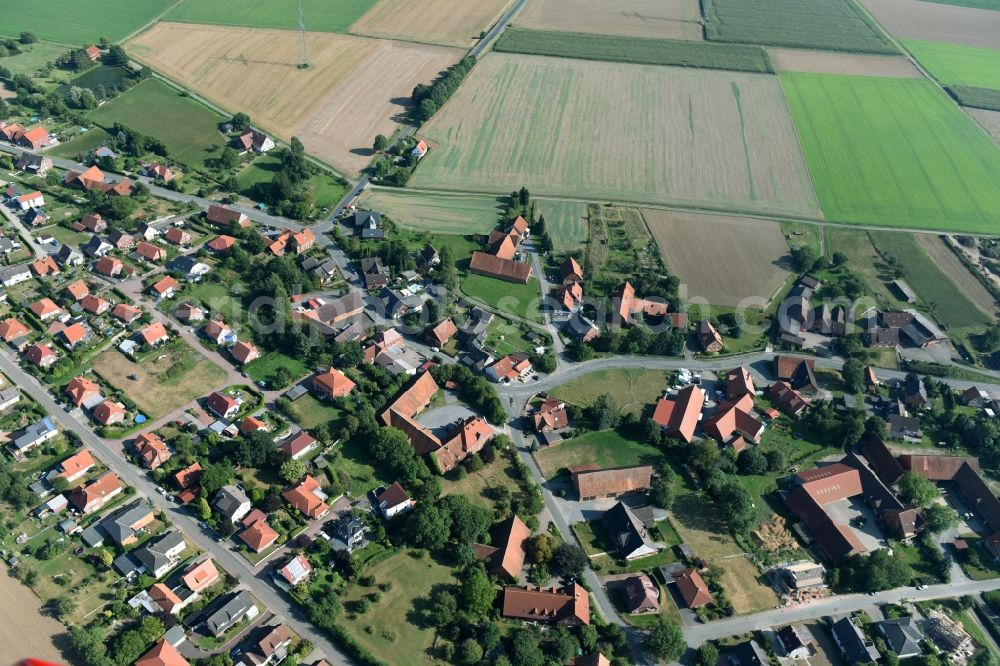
(666, 641)
(917, 489)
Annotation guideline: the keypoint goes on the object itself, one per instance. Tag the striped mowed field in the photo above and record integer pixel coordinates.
(445, 213)
(616, 131)
(565, 222)
(895, 153)
(957, 64)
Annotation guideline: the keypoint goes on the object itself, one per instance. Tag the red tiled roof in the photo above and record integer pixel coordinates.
(502, 269)
(259, 536)
(108, 266)
(570, 605)
(693, 588)
(188, 476)
(244, 352)
(199, 576)
(165, 284)
(333, 383)
(612, 481)
(126, 313)
(679, 416)
(80, 388)
(302, 497)
(11, 329)
(162, 654)
(74, 333)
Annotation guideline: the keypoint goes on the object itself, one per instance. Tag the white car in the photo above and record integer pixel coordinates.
(161, 490)
(435, 349)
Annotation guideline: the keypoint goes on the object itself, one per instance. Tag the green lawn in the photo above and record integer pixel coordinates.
(895, 153)
(217, 297)
(513, 338)
(932, 286)
(522, 300)
(436, 213)
(594, 537)
(33, 58)
(320, 15)
(326, 190)
(956, 64)
(79, 22)
(313, 412)
(349, 470)
(633, 388)
(82, 143)
(188, 128)
(393, 629)
(265, 366)
(565, 222)
(606, 448)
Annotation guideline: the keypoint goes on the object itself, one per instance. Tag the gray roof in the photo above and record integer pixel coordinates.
(229, 611)
(30, 435)
(229, 499)
(68, 254)
(855, 647)
(125, 564)
(349, 532)
(363, 217)
(92, 536)
(96, 246)
(118, 525)
(748, 653)
(627, 532)
(154, 554)
(902, 635)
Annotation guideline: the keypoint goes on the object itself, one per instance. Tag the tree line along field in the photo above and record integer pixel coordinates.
(444, 22)
(721, 259)
(833, 25)
(957, 64)
(737, 57)
(666, 19)
(80, 21)
(321, 15)
(894, 153)
(674, 135)
(444, 213)
(188, 128)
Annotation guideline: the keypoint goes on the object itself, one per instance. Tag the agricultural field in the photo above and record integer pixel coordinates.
(933, 167)
(955, 64)
(371, 101)
(989, 121)
(984, 4)
(933, 286)
(565, 222)
(825, 62)
(980, 98)
(81, 22)
(721, 259)
(320, 15)
(666, 19)
(633, 388)
(641, 51)
(606, 448)
(188, 128)
(949, 264)
(444, 22)
(24, 631)
(830, 25)
(865, 263)
(356, 87)
(163, 383)
(677, 135)
(435, 213)
(915, 19)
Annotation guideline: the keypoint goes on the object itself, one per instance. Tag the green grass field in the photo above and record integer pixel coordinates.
(327, 191)
(266, 365)
(33, 58)
(895, 153)
(606, 448)
(932, 286)
(522, 300)
(834, 25)
(189, 129)
(83, 143)
(436, 213)
(633, 388)
(678, 53)
(566, 222)
(320, 15)
(79, 22)
(955, 64)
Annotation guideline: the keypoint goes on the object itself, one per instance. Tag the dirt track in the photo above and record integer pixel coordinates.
(794, 60)
(912, 19)
(24, 631)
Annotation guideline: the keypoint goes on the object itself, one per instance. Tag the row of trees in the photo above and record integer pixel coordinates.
(428, 99)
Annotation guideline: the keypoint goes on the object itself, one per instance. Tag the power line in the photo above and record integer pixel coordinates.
(303, 51)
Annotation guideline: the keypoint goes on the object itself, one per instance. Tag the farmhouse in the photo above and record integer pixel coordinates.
(733, 420)
(739, 382)
(592, 482)
(787, 399)
(36, 164)
(678, 417)
(506, 554)
(569, 606)
(222, 216)
(502, 269)
(35, 139)
(627, 532)
(253, 140)
(797, 373)
(708, 337)
(332, 384)
(627, 305)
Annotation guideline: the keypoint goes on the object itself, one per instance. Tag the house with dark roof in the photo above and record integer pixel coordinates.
(796, 642)
(122, 526)
(160, 554)
(232, 503)
(627, 532)
(227, 612)
(902, 635)
(854, 646)
(797, 373)
(747, 653)
(581, 328)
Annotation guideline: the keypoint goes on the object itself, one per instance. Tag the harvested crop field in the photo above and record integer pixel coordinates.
(956, 64)
(894, 152)
(81, 21)
(666, 19)
(443, 22)
(322, 15)
(676, 135)
(989, 121)
(721, 259)
(24, 631)
(822, 62)
(832, 25)
(565, 222)
(460, 214)
(914, 19)
(336, 107)
(371, 101)
(949, 264)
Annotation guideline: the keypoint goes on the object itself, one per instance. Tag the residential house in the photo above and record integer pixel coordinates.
(45, 309)
(350, 534)
(797, 373)
(678, 417)
(219, 333)
(154, 334)
(83, 392)
(914, 392)
(902, 636)
(223, 406)
(855, 647)
(12, 275)
(122, 527)
(627, 532)
(569, 606)
(189, 267)
(11, 329)
(232, 503)
(158, 171)
(641, 595)
(97, 248)
(35, 139)
(221, 244)
(307, 498)
(109, 413)
(629, 306)
(581, 328)
(429, 258)
(109, 266)
(67, 256)
(162, 654)
(510, 368)
(187, 481)
(904, 428)
(126, 313)
(332, 384)
(393, 501)
(708, 337)
(440, 334)
(976, 398)
(550, 415)
(506, 554)
(89, 179)
(739, 382)
(369, 225)
(177, 236)
(244, 352)
(419, 151)
(796, 642)
(373, 273)
(9, 397)
(45, 266)
(189, 313)
(298, 445)
(94, 223)
(787, 399)
(259, 536)
(222, 216)
(151, 450)
(41, 355)
(92, 496)
(733, 420)
(31, 436)
(94, 305)
(253, 140)
(150, 252)
(34, 164)
(165, 288)
(160, 554)
(228, 611)
(251, 424)
(747, 653)
(692, 588)
(592, 482)
(265, 645)
(36, 217)
(200, 575)
(295, 570)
